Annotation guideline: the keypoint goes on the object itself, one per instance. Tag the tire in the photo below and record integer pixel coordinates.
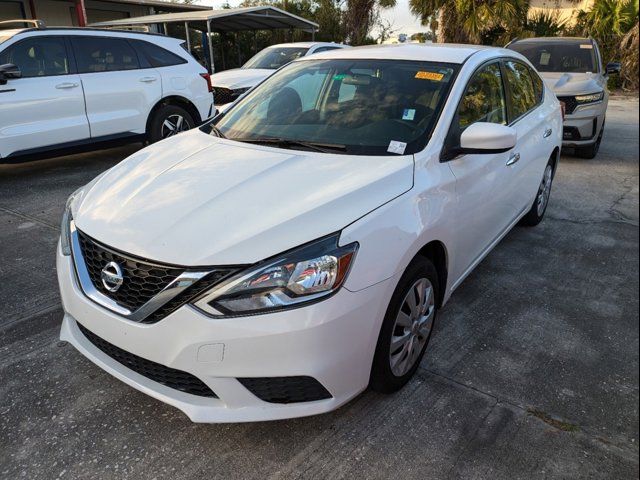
(590, 151)
(167, 121)
(535, 215)
(388, 372)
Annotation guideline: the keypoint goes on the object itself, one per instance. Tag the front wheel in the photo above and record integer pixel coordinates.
(540, 204)
(167, 121)
(407, 327)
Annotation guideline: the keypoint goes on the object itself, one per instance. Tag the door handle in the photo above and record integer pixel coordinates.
(547, 133)
(513, 159)
(148, 79)
(65, 86)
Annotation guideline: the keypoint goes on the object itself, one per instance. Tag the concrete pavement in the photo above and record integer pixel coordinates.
(532, 372)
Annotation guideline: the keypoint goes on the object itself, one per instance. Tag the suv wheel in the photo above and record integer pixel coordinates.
(535, 215)
(407, 327)
(167, 121)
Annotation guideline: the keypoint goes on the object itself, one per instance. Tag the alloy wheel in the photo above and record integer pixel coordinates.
(412, 327)
(545, 190)
(173, 125)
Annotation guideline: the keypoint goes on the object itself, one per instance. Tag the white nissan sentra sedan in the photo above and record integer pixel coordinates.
(294, 251)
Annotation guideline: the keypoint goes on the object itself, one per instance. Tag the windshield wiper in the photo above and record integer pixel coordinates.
(286, 143)
(215, 130)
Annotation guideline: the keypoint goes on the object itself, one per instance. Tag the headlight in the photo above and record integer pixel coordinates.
(65, 235)
(67, 216)
(297, 277)
(239, 91)
(589, 98)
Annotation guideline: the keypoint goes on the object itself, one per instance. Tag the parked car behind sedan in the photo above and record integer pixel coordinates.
(230, 84)
(296, 249)
(572, 67)
(62, 88)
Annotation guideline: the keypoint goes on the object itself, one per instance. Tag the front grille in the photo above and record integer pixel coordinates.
(187, 295)
(142, 279)
(286, 389)
(570, 103)
(169, 377)
(222, 96)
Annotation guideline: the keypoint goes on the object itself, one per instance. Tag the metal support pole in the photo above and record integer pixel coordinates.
(81, 13)
(210, 40)
(313, 34)
(165, 26)
(186, 34)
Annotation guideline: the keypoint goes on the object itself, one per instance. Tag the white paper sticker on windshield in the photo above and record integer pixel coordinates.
(588, 46)
(396, 147)
(544, 58)
(409, 114)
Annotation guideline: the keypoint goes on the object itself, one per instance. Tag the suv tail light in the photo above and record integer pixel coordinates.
(563, 108)
(207, 78)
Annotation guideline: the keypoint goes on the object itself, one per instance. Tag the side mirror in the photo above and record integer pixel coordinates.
(613, 68)
(484, 138)
(9, 71)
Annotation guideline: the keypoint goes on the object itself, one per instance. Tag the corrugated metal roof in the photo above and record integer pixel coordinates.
(227, 20)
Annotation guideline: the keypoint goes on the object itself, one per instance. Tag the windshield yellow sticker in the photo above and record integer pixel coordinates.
(436, 77)
(586, 46)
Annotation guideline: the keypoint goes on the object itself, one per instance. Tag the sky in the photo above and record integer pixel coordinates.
(400, 17)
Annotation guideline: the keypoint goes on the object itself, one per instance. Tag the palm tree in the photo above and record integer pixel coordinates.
(476, 16)
(608, 18)
(360, 17)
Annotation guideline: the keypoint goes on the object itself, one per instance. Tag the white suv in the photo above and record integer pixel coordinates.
(296, 249)
(66, 87)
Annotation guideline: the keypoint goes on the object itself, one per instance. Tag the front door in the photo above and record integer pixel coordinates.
(46, 106)
(483, 181)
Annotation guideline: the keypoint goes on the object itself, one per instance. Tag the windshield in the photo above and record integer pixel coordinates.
(561, 57)
(370, 107)
(275, 57)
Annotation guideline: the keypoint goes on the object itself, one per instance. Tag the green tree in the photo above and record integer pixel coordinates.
(476, 17)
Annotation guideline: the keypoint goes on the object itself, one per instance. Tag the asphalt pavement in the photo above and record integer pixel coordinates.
(532, 371)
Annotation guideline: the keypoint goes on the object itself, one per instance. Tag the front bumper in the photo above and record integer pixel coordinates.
(332, 341)
(582, 127)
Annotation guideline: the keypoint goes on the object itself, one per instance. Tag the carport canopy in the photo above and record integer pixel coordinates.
(223, 21)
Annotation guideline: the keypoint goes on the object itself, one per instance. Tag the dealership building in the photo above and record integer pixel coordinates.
(79, 13)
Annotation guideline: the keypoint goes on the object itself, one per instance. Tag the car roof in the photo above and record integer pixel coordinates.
(85, 30)
(553, 40)
(428, 52)
(305, 44)
(11, 32)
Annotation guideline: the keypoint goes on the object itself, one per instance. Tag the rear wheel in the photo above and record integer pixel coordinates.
(407, 327)
(539, 207)
(167, 121)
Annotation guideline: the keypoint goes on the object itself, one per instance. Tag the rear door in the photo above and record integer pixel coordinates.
(46, 106)
(119, 90)
(535, 133)
(483, 181)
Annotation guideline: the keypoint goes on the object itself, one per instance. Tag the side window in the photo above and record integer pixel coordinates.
(523, 91)
(103, 54)
(324, 49)
(484, 100)
(157, 56)
(38, 56)
(538, 85)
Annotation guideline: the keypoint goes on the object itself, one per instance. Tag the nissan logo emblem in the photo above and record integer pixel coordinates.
(111, 276)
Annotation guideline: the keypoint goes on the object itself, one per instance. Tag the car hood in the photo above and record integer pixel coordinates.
(239, 77)
(197, 200)
(572, 83)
